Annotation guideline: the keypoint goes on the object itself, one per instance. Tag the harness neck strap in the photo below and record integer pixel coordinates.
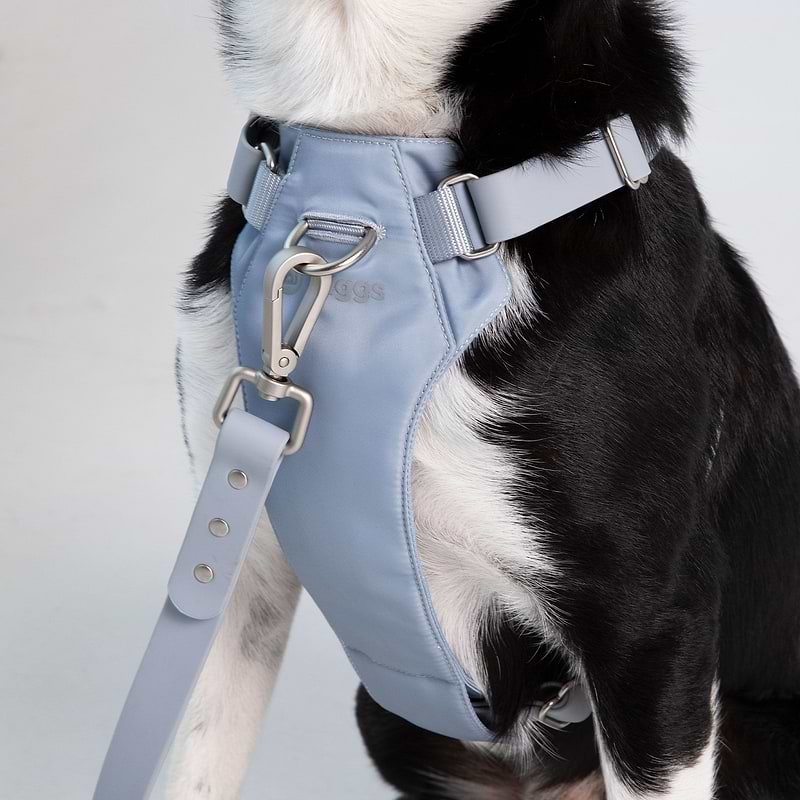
(467, 216)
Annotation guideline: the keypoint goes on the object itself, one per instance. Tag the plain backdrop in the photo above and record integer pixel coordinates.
(116, 132)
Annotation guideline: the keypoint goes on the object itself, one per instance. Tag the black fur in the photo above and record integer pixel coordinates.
(665, 440)
(662, 433)
(212, 267)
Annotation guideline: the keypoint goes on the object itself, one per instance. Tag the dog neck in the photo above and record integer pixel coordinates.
(509, 80)
(362, 66)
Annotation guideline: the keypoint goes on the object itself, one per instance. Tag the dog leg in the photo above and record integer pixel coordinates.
(656, 719)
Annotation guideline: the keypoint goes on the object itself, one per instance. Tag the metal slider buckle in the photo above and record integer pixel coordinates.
(270, 157)
(490, 249)
(619, 160)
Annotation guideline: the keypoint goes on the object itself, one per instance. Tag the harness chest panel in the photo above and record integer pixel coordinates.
(392, 326)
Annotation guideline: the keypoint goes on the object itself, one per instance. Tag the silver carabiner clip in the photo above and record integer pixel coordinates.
(280, 354)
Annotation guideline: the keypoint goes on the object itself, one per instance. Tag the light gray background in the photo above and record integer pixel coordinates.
(116, 131)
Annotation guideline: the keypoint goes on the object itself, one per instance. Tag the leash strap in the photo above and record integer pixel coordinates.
(467, 216)
(246, 459)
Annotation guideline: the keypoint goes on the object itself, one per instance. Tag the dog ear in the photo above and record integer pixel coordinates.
(549, 74)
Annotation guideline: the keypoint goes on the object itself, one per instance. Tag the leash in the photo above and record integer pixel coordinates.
(373, 363)
(246, 458)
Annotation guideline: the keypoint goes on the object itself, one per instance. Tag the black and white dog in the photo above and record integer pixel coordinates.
(632, 517)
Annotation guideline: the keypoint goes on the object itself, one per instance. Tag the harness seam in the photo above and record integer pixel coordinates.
(307, 132)
(412, 219)
(444, 364)
(326, 216)
(434, 629)
(369, 658)
(500, 306)
(449, 357)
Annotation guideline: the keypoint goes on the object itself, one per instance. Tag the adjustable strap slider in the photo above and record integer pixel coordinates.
(465, 209)
(254, 179)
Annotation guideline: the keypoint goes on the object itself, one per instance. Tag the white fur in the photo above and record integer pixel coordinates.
(470, 535)
(358, 65)
(693, 782)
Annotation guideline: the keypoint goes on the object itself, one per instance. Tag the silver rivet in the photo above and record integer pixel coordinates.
(218, 527)
(283, 362)
(203, 573)
(237, 479)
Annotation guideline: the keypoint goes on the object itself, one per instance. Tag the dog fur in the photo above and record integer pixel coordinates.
(635, 517)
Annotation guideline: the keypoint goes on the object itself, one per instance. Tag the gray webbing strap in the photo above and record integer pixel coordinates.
(458, 220)
(251, 182)
(262, 198)
(515, 201)
(442, 223)
(221, 529)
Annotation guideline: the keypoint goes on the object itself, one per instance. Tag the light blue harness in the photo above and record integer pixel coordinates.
(424, 281)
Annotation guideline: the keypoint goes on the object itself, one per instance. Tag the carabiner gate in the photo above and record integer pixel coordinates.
(280, 354)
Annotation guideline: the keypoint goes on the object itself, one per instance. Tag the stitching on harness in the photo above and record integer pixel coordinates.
(450, 356)
(369, 658)
(249, 269)
(406, 194)
(433, 627)
(410, 528)
(391, 139)
(408, 519)
(324, 216)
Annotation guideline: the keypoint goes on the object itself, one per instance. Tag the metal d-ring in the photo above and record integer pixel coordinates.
(363, 247)
(269, 156)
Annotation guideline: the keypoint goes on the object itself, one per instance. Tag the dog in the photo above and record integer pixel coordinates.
(631, 517)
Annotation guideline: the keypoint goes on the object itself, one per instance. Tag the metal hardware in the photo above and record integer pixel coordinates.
(490, 249)
(270, 389)
(279, 354)
(332, 267)
(269, 156)
(219, 527)
(619, 161)
(237, 479)
(554, 702)
(203, 573)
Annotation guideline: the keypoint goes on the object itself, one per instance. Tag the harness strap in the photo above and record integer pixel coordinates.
(246, 459)
(468, 216)
(527, 196)
(252, 182)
